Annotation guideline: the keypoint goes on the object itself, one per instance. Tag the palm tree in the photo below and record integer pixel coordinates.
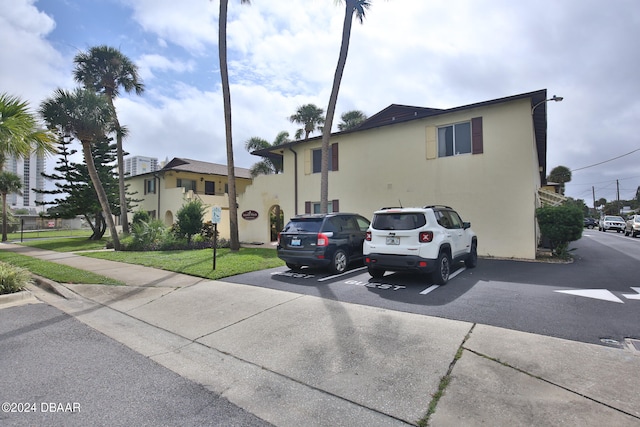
(105, 70)
(9, 183)
(266, 166)
(19, 132)
(88, 117)
(234, 240)
(310, 117)
(560, 175)
(352, 6)
(351, 119)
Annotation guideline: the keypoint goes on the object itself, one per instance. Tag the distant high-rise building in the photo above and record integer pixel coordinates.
(30, 170)
(138, 165)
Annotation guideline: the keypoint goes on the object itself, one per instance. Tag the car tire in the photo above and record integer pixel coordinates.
(339, 262)
(472, 258)
(293, 266)
(376, 273)
(443, 269)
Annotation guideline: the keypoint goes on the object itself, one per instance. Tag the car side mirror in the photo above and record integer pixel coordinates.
(466, 225)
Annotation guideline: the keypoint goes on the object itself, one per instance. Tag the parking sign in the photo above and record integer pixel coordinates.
(216, 213)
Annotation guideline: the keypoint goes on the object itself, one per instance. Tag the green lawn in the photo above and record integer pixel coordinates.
(66, 244)
(199, 262)
(56, 272)
(39, 234)
(194, 262)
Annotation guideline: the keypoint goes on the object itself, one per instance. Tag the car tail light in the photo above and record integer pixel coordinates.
(279, 236)
(323, 240)
(425, 236)
(367, 236)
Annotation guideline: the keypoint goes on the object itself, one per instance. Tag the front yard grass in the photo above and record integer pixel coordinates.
(57, 272)
(199, 262)
(67, 244)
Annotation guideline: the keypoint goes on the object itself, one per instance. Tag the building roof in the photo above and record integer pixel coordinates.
(395, 114)
(205, 168)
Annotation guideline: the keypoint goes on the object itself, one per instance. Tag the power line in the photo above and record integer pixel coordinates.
(606, 161)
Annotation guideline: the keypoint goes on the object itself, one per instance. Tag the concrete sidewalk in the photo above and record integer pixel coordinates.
(297, 360)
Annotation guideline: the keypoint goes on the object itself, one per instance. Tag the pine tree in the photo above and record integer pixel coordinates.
(75, 193)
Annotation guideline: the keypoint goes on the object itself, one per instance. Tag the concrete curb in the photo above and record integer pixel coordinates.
(15, 297)
(52, 287)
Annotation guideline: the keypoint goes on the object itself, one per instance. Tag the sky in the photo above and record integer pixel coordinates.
(283, 53)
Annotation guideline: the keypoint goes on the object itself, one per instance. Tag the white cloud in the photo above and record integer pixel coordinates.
(31, 67)
(283, 53)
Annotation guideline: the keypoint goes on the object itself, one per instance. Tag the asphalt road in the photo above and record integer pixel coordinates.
(56, 370)
(591, 300)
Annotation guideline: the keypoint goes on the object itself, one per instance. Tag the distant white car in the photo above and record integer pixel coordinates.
(612, 222)
(429, 239)
(633, 226)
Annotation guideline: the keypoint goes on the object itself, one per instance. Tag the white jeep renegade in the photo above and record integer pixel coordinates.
(428, 240)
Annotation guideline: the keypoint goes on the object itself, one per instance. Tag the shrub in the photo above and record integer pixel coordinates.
(140, 216)
(13, 279)
(561, 225)
(189, 219)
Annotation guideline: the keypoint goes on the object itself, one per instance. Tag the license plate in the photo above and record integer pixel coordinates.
(295, 242)
(393, 240)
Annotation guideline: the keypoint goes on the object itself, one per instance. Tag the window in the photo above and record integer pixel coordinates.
(210, 188)
(316, 159)
(149, 186)
(454, 139)
(314, 207)
(188, 184)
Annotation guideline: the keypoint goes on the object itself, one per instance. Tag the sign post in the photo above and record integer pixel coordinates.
(216, 213)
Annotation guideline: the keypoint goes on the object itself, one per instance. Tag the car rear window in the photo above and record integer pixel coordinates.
(302, 225)
(398, 221)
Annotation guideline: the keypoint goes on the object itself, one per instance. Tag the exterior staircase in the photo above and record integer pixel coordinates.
(549, 198)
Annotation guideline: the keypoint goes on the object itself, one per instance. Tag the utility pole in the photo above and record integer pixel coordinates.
(593, 193)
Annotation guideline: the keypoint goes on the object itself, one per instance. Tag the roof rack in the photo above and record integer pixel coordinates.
(390, 207)
(437, 206)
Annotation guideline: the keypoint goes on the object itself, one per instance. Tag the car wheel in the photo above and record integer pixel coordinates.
(472, 258)
(590, 227)
(339, 262)
(293, 266)
(443, 269)
(376, 273)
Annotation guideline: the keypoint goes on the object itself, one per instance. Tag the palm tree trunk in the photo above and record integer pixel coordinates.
(102, 195)
(331, 108)
(234, 241)
(120, 155)
(4, 217)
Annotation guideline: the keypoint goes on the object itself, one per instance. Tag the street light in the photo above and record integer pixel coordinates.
(553, 98)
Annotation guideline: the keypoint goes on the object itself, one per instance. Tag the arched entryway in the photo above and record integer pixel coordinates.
(168, 218)
(276, 222)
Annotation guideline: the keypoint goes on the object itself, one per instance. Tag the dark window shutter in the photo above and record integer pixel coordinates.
(336, 205)
(307, 207)
(334, 157)
(476, 136)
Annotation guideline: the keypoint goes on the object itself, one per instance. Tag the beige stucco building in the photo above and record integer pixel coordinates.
(486, 160)
(164, 192)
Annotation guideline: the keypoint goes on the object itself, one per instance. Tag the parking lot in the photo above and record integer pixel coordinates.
(553, 299)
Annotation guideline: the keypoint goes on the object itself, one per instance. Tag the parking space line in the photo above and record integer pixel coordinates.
(341, 274)
(457, 272)
(429, 289)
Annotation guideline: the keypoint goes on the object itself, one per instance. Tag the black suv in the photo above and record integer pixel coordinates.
(323, 240)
